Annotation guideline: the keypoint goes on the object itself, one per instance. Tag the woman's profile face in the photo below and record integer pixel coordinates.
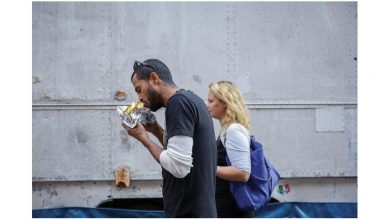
(216, 107)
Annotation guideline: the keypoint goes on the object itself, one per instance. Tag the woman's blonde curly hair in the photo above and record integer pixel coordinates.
(236, 110)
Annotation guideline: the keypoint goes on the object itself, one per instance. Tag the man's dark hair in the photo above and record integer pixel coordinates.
(144, 69)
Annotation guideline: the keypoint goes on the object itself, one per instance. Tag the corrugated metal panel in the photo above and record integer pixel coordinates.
(86, 144)
(316, 190)
(83, 51)
(91, 194)
(70, 138)
(88, 194)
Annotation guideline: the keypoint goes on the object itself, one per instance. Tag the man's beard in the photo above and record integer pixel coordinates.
(155, 100)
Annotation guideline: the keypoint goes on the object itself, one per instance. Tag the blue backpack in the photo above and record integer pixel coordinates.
(257, 191)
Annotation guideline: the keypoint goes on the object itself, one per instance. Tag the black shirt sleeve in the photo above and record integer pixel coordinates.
(180, 116)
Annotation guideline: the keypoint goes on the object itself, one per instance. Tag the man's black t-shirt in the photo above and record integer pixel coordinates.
(194, 195)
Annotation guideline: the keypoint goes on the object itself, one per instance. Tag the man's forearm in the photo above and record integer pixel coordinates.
(142, 136)
(159, 133)
(153, 148)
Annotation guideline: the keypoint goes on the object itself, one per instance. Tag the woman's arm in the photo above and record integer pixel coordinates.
(230, 173)
(237, 143)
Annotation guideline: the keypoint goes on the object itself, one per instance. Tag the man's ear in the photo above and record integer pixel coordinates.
(155, 79)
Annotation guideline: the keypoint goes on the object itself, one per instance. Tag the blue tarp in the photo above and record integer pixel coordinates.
(275, 210)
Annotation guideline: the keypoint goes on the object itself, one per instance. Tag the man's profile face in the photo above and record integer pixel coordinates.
(147, 94)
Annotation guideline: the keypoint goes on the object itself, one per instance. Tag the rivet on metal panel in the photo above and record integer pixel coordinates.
(122, 177)
(120, 95)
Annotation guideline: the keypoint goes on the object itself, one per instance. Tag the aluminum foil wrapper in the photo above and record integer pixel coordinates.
(141, 115)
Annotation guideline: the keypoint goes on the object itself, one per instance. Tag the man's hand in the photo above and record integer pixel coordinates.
(156, 130)
(138, 132)
(153, 127)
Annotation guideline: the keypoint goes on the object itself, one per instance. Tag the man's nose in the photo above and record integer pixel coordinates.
(140, 97)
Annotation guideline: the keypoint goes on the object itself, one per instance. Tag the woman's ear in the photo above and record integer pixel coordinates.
(224, 104)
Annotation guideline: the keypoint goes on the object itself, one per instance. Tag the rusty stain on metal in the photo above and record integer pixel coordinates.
(122, 177)
(120, 95)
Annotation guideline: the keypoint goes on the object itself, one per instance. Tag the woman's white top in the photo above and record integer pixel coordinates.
(237, 145)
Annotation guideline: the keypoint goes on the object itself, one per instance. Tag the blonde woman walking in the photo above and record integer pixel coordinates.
(227, 104)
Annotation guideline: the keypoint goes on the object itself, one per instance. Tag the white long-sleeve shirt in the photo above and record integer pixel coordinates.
(177, 158)
(237, 145)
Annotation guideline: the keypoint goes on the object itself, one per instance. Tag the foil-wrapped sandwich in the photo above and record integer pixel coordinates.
(134, 113)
